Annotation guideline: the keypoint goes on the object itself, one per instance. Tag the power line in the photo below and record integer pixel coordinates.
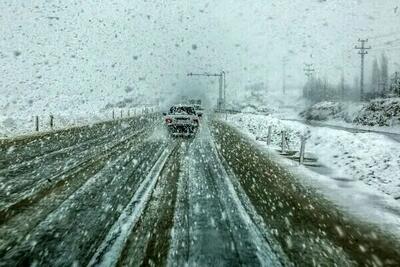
(387, 48)
(384, 35)
(395, 42)
(309, 70)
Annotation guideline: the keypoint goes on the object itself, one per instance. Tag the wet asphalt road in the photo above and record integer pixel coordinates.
(125, 193)
(211, 225)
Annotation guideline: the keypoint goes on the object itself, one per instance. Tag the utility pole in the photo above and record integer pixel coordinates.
(381, 89)
(362, 51)
(325, 88)
(220, 92)
(342, 85)
(342, 89)
(284, 61)
(309, 71)
(395, 85)
(224, 82)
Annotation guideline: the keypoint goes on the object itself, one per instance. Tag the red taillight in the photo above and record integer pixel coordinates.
(168, 120)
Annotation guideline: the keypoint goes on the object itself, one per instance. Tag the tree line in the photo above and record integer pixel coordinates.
(381, 84)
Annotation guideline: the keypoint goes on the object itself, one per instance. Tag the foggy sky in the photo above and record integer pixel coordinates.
(91, 50)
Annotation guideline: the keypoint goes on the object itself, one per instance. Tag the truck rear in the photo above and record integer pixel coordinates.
(182, 120)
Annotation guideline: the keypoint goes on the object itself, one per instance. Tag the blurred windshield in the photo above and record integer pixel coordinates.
(199, 133)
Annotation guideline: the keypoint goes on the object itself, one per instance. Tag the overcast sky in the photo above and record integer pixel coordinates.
(91, 50)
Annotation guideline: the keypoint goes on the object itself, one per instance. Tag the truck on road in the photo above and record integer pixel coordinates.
(182, 119)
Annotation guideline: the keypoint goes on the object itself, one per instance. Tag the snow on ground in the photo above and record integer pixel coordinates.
(24, 124)
(368, 157)
(380, 112)
(329, 110)
(10, 127)
(354, 197)
(376, 115)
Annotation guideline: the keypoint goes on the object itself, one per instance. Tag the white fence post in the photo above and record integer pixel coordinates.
(269, 136)
(302, 149)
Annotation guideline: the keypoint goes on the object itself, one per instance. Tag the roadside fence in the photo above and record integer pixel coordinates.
(285, 150)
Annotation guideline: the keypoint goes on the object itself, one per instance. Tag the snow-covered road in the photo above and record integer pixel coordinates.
(212, 226)
(125, 193)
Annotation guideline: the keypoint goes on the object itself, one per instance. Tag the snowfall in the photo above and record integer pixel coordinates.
(74, 62)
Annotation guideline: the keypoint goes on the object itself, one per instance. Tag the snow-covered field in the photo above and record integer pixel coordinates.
(329, 110)
(368, 157)
(376, 115)
(10, 127)
(24, 124)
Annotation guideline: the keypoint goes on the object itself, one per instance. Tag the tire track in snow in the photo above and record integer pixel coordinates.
(309, 229)
(20, 150)
(43, 188)
(49, 218)
(213, 228)
(149, 241)
(17, 169)
(20, 176)
(110, 250)
(266, 254)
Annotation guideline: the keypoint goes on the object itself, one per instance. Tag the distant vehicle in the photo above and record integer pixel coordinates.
(195, 102)
(182, 120)
(199, 110)
(197, 106)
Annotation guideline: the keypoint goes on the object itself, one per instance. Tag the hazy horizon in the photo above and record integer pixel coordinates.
(91, 50)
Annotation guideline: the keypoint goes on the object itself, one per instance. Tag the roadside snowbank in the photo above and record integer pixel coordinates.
(322, 111)
(328, 110)
(24, 123)
(380, 112)
(377, 115)
(11, 127)
(369, 157)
